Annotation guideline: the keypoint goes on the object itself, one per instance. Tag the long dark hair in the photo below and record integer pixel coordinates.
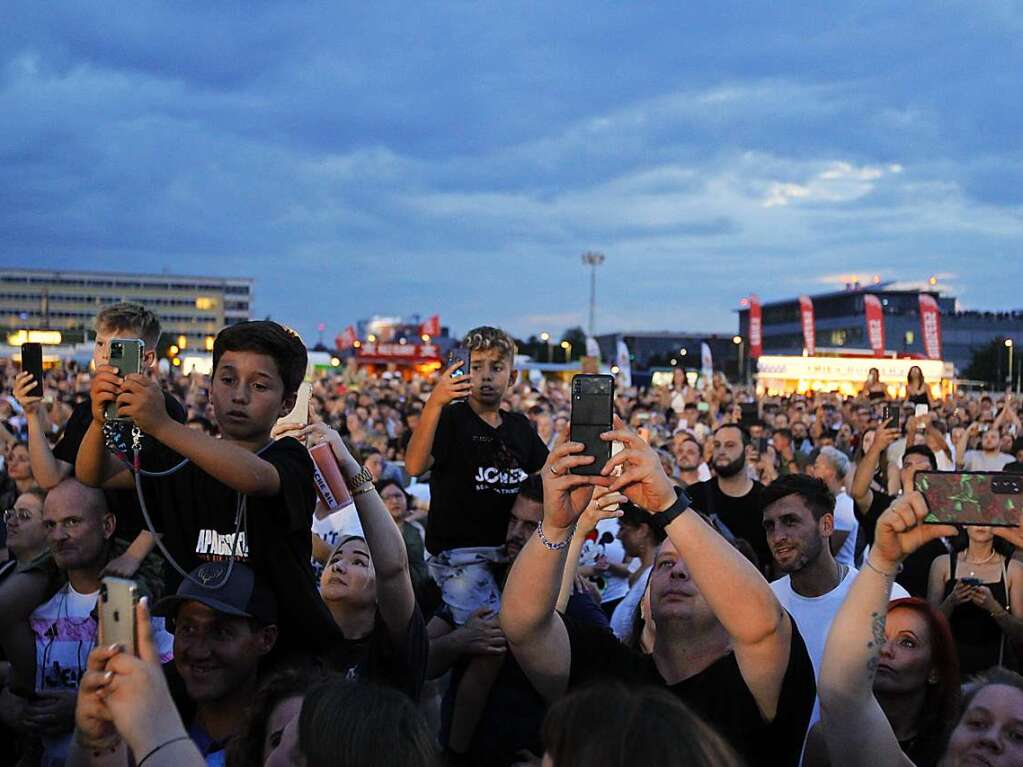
(247, 748)
(644, 725)
(363, 725)
(941, 704)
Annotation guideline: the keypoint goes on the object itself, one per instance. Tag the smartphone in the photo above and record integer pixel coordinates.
(760, 445)
(300, 413)
(117, 598)
(971, 497)
(890, 415)
(920, 410)
(592, 411)
(32, 362)
(126, 356)
(463, 355)
(971, 581)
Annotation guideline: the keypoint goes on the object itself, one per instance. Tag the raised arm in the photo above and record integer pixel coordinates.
(856, 728)
(760, 629)
(418, 454)
(395, 596)
(963, 443)
(534, 631)
(861, 493)
(47, 469)
(94, 466)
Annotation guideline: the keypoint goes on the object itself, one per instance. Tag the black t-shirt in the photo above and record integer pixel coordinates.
(123, 504)
(916, 568)
(476, 474)
(744, 516)
(719, 693)
(199, 515)
(376, 658)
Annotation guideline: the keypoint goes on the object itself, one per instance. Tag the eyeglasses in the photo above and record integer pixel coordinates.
(22, 515)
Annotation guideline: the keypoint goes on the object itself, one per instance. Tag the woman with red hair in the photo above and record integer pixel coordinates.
(916, 684)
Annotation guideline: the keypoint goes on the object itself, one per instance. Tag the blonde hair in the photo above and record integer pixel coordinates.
(485, 338)
(131, 318)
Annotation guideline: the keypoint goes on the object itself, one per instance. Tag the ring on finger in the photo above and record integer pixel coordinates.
(554, 471)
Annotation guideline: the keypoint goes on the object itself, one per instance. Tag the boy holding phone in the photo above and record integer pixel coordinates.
(257, 369)
(478, 456)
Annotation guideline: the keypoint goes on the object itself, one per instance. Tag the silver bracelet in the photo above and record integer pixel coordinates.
(866, 561)
(554, 546)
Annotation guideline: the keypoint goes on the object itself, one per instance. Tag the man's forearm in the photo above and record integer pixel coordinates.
(445, 651)
(531, 592)
(225, 461)
(417, 454)
(720, 572)
(47, 469)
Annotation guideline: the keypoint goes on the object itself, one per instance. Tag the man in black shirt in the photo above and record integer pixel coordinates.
(871, 504)
(731, 495)
(724, 644)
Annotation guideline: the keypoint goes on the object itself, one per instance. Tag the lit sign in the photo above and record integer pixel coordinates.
(44, 337)
(848, 369)
(399, 351)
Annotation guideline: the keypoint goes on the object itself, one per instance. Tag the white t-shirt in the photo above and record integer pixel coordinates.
(604, 542)
(621, 619)
(813, 617)
(65, 633)
(978, 460)
(845, 521)
(334, 527)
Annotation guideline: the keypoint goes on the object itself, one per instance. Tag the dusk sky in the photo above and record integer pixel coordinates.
(458, 157)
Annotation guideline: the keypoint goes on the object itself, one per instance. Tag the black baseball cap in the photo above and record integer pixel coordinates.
(244, 595)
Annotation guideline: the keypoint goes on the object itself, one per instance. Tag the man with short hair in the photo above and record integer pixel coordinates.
(798, 521)
(831, 467)
(79, 531)
(689, 455)
(989, 457)
(224, 625)
(731, 495)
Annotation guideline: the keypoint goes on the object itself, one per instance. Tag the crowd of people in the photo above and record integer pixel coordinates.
(749, 580)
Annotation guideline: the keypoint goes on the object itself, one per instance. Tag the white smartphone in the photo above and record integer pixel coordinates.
(300, 413)
(921, 410)
(117, 598)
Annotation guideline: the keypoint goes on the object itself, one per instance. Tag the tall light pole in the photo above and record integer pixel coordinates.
(546, 338)
(737, 340)
(593, 259)
(1009, 345)
(568, 351)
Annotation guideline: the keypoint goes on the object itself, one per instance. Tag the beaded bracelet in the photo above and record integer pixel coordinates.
(550, 545)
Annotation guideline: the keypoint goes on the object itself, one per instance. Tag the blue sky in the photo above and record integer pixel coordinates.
(457, 157)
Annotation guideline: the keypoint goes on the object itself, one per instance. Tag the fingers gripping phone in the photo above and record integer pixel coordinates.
(126, 357)
(32, 362)
(117, 598)
(460, 354)
(592, 412)
(971, 497)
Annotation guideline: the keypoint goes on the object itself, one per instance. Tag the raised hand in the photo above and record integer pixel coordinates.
(900, 531)
(642, 480)
(450, 387)
(566, 495)
(24, 382)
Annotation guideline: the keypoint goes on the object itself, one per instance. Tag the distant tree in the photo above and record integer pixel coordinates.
(989, 363)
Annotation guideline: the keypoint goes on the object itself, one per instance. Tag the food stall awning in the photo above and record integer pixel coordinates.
(398, 354)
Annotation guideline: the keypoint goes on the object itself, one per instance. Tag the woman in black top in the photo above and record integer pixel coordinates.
(917, 390)
(873, 388)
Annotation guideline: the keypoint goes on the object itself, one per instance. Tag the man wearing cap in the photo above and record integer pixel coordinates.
(224, 620)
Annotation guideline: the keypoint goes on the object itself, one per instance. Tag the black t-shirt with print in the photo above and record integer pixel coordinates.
(744, 516)
(376, 658)
(916, 568)
(719, 693)
(123, 504)
(475, 477)
(199, 514)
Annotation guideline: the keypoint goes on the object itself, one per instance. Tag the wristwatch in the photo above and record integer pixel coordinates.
(682, 502)
(359, 479)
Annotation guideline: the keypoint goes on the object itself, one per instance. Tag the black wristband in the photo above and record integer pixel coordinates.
(682, 503)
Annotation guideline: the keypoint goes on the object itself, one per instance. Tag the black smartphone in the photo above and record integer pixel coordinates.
(463, 355)
(890, 416)
(760, 444)
(32, 362)
(592, 412)
(971, 497)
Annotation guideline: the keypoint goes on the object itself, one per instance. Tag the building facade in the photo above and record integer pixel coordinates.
(68, 301)
(841, 326)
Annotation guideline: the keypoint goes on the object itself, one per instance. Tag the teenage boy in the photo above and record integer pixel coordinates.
(243, 496)
(51, 466)
(478, 456)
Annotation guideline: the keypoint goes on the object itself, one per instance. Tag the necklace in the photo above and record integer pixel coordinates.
(988, 558)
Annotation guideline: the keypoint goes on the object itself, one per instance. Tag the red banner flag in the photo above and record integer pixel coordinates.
(875, 324)
(347, 339)
(809, 333)
(431, 327)
(756, 341)
(930, 326)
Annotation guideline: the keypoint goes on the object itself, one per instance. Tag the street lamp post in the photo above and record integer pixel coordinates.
(593, 259)
(1009, 345)
(546, 338)
(738, 341)
(568, 350)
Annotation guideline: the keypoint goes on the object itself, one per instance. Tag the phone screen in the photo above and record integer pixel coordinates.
(592, 412)
(971, 497)
(32, 362)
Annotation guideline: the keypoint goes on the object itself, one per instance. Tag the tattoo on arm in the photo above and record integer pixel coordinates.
(875, 645)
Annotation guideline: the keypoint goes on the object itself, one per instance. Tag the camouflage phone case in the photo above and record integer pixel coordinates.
(971, 497)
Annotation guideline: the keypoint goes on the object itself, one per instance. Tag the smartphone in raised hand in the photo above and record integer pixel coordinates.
(460, 354)
(592, 414)
(971, 497)
(890, 415)
(126, 358)
(300, 413)
(32, 362)
(116, 608)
